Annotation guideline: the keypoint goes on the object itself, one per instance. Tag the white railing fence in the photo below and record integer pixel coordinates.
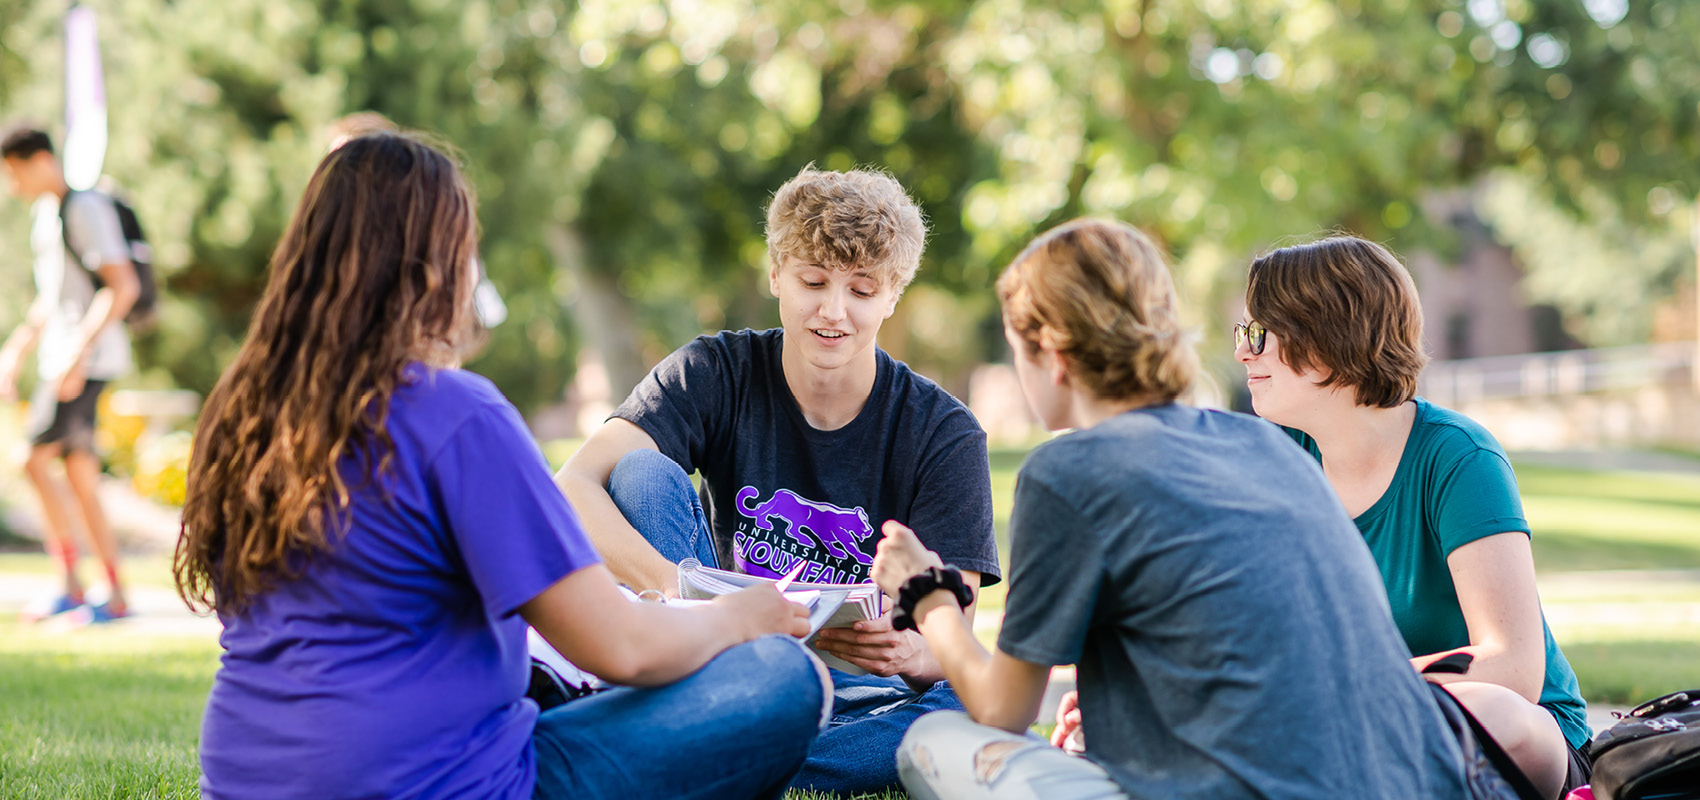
(1638, 396)
(1567, 372)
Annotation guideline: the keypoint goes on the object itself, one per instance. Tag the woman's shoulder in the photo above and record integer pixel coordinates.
(442, 398)
(1138, 439)
(448, 384)
(1447, 433)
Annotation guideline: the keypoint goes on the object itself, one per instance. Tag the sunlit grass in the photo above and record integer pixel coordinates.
(90, 714)
(1630, 636)
(1586, 520)
(1628, 672)
(100, 713)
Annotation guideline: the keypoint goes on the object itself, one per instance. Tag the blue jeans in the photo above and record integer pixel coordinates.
(858, 750)
(713, 734)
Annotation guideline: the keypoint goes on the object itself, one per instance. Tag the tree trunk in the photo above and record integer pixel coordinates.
(605, 318)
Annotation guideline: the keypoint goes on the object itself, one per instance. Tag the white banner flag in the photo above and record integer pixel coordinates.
(85, 100)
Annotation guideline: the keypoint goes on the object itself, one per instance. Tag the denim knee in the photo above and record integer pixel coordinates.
(655, 496)
(650, 472)
(927, 727)
(787, 670)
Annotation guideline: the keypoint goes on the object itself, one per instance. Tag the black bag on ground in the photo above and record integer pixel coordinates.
(1653, 753)
(141, 314)
(548, 688)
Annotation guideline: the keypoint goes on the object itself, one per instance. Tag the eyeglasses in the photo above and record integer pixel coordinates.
(1253, 333)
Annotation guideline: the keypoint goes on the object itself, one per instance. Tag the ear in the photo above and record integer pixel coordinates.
(1052, 363)
(1058, 366)
(891, 305)
(773, 280)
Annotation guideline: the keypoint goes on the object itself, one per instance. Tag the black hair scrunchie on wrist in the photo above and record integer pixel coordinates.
(922, 584)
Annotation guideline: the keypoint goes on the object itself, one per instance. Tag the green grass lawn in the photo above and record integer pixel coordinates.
(92, 714)
(1612, 520)
(1632, 638)
(96, 713)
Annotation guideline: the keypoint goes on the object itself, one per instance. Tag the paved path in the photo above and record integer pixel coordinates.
(155, 611)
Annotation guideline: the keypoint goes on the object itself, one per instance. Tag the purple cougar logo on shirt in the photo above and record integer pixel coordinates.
(838, 530)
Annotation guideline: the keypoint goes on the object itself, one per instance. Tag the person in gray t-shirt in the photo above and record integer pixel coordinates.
(75, 325)
(1228, 625)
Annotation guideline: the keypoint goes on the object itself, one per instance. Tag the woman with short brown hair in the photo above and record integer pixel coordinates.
(1332, 347)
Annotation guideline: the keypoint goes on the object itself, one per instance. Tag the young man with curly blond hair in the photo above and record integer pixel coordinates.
(808, 437)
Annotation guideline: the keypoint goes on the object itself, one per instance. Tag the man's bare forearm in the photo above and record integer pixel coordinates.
(22, 340)
(628, 555)
(107, 308)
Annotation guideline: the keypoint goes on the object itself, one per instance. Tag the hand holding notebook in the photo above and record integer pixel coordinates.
(837, 604)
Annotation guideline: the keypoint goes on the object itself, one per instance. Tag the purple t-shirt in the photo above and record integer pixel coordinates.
(397, 666)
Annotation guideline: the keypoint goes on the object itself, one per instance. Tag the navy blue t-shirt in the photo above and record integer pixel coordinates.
(777, 490)
(1231, 632)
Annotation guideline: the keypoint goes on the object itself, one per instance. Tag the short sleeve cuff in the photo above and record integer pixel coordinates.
(516, 532)
(1036, 655)
(989, 575)
(1483, 530)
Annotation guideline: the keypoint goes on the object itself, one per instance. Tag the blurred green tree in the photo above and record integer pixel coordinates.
(1227, 127)
(624, 150)
(219, 111)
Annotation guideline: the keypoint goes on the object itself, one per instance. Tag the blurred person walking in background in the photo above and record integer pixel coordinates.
(85, 285)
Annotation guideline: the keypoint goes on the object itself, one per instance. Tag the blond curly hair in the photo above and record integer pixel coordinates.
(862, 219)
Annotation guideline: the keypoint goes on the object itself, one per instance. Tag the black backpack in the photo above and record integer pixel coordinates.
(141, 315)
(1652, 752)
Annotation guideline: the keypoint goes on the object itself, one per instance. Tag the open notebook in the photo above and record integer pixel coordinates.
(823, 607)
(839, 605)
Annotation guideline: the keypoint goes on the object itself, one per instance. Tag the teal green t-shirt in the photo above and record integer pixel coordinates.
(1453, 486)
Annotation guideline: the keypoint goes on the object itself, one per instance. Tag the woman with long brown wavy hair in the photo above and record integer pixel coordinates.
(375, 528)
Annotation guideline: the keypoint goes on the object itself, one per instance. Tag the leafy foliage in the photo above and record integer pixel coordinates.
(624, 151)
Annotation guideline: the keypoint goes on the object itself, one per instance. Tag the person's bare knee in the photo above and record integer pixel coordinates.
(82, 469)
(1525, 731)
(38, 465)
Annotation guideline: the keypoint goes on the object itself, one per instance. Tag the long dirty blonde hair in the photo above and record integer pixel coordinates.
(373, 273)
